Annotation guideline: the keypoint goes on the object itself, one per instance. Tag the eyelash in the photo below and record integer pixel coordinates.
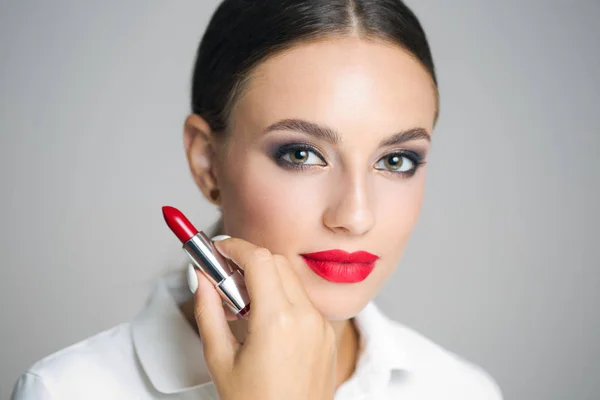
(415, 158)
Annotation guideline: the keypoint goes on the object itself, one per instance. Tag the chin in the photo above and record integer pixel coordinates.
(339, 307)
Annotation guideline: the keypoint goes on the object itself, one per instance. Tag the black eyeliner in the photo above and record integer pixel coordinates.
(281, 150)
(290, 147)
(414, 157)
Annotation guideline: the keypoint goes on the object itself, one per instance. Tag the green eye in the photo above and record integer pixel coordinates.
(398, 163)
(299, 155)
(303, 156)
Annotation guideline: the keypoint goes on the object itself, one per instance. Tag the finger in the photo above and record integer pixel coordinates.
(260, 273)
(290, 281)
(218, 342)
(229, 314)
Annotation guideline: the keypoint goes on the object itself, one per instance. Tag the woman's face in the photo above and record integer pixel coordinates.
(294, 192)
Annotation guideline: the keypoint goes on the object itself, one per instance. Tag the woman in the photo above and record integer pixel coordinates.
(310, 127)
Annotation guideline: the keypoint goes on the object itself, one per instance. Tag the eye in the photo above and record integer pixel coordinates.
(400, 163)
(298, 156)
(302, 156)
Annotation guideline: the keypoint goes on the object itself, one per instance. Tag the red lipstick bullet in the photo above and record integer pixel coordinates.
(179, 224)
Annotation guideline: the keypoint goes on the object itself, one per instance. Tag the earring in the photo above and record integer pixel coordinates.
(215, 194)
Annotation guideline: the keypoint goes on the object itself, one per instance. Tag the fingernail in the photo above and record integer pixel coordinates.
(192, 279)
(220, 237)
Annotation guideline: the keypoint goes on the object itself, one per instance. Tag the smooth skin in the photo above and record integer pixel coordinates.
(336, 195)
(285, 333)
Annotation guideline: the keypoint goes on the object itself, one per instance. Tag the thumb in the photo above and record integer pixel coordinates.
(218, 342)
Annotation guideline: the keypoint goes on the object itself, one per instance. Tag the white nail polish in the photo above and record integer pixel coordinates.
(220, 237)
(192, 279)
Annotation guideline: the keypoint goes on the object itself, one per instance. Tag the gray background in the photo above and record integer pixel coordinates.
(502, 268)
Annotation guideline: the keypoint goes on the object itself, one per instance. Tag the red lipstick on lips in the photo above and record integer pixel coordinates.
(341, 267)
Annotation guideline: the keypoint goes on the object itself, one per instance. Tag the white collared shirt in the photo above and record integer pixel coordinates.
(159, 356)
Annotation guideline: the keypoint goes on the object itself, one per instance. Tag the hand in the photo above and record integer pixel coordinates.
(289, 352)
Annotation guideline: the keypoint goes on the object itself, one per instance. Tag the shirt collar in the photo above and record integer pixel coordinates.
(168, 348)
(171, 354)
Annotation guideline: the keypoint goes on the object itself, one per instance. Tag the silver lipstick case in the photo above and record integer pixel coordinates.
(228, 281)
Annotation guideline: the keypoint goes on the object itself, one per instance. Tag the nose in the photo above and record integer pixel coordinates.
(350, 211)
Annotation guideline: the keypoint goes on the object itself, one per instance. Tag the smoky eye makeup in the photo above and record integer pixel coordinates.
(403, 163)
(298, 155)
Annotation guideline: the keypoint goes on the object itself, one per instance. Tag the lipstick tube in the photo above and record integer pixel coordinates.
(229, 282)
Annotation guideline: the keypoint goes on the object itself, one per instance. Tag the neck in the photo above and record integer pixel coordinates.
(346, 333)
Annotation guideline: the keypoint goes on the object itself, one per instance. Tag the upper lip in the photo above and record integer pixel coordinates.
(342, 256)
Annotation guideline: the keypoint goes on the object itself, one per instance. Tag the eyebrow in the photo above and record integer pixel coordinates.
(332, 136)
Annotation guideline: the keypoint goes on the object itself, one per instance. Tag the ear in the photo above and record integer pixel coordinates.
(199, 144)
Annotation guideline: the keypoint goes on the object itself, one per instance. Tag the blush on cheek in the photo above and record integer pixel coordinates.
(270, 205)
(398, 212)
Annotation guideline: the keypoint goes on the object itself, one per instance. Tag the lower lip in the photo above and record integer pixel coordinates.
(340, 272)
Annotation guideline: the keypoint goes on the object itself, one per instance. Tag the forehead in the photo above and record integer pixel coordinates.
(347, 83)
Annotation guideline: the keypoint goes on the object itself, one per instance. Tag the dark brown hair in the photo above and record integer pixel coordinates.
(244, 33)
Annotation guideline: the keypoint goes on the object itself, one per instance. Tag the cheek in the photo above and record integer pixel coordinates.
(401, 208)
(398, 206)
(267, 205)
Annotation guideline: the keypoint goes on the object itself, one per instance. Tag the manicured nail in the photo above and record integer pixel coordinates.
(192, 279)
(220, 237)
